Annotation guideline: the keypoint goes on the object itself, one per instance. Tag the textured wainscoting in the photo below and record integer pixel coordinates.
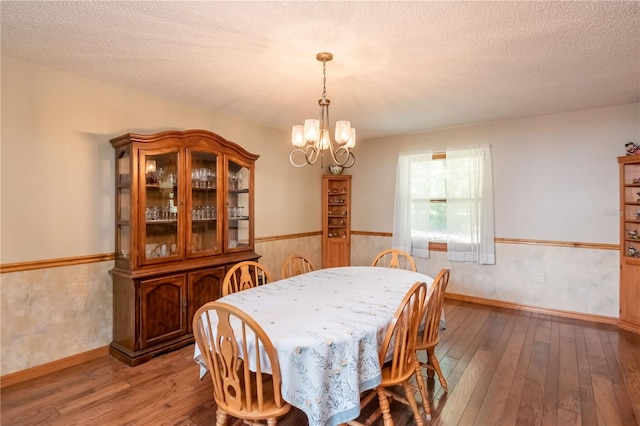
(52, 313)
(275, 251)
(575, 279)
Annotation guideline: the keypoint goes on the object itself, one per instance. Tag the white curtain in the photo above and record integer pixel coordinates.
(406, 188)
(470, 225)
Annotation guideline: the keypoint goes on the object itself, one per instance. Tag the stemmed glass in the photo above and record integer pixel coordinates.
(160, 174)
(239, 179)
(211, 178)
(233, 180)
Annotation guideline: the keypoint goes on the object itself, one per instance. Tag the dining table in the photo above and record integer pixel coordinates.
(327, 327)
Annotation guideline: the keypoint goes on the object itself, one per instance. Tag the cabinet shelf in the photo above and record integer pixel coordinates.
(193, 188)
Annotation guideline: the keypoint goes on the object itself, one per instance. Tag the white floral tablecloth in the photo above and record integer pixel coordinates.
(327, 326)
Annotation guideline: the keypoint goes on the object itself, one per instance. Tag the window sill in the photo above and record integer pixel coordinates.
(438, 246)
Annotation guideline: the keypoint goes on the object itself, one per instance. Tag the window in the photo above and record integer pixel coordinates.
(445, 198)
(429, 200)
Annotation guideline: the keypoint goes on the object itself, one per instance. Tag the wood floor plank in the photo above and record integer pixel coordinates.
(587, 402)
(470, 368)
(568, 383)
(626, 344)
(550, 405)
(495, 343)
(457, 400)
(532, 399)
(493, 408)
(568, 418)
(512, 404)
(495, 362)
(605, 402)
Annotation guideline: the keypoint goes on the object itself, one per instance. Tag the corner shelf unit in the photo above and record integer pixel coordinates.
(336, 220)
(629, 243)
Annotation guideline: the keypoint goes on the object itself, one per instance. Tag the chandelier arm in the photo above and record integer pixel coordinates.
(308, 154)
(348, 161)
(311, 154)
(293, 162)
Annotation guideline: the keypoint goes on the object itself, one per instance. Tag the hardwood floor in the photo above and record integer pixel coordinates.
(502, 366)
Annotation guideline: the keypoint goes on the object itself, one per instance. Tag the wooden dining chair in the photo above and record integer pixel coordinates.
(398, 357)
(244, 275)
(395, 258)
(296, 264)
(428, 336)
(237, 351)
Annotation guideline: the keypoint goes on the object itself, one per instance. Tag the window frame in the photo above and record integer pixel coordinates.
(438, 246)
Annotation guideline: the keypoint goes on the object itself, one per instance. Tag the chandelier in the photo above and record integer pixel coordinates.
(313, 139)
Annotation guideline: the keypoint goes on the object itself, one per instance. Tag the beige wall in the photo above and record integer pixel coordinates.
(57, 163)
(555, 178)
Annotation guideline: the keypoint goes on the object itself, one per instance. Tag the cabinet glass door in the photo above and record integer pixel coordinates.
(202, 205)
(123, 210)
(238, 206)
(159, 197)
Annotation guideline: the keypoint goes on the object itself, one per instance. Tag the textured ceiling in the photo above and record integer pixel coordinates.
(398, 67)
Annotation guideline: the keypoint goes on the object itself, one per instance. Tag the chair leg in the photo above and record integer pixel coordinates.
(408, 390)
(384, 407)
(221, 418)
(433, 361)
(422, 387)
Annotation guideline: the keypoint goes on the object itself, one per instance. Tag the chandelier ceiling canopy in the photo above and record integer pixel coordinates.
(312, 140)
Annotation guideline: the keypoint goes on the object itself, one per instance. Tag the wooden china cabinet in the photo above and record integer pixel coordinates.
(630, 243)
(184, 216)
(336, 220)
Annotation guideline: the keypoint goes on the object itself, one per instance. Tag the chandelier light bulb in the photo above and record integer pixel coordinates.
(343, 132)
(325, 141)
(297, 136)
(352, 140)
(312, 131)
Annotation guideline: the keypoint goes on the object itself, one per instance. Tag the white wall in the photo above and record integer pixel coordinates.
(57, 165)
(555, 177)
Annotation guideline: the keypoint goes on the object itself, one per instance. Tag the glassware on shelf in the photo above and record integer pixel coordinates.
(211, 179)
(233, 181)
(160, 174)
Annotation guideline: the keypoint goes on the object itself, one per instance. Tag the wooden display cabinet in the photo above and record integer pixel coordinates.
(630, 243)
(336, 220)
(184, 216)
